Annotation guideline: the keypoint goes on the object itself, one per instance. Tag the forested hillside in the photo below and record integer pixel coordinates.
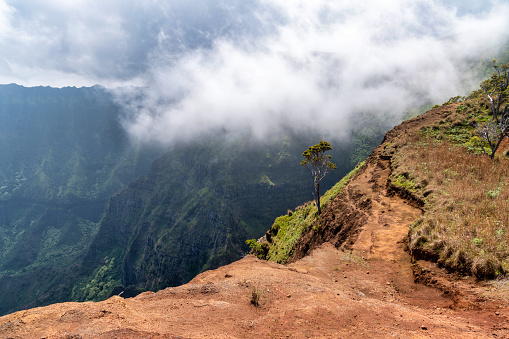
(194, 210)
(71, 228)
(63, 152)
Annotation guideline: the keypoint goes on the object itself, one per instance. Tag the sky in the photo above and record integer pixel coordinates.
(182, 68)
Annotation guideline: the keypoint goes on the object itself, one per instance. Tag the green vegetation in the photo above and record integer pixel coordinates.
(101, 284)
(287, 229)
(318, 164)
(64, 153)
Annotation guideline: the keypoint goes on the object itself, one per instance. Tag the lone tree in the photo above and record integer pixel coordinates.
(318, 164)
(493, 133)
(497, 90)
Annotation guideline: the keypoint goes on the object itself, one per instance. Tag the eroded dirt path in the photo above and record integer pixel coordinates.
(382, 240)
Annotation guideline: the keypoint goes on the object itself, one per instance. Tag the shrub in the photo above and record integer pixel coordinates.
(257, 296)
(259, 249)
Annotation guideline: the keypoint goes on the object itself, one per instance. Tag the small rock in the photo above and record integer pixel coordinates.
(424, 328)
(288, 295)
(367, 272)
(360, 294)
(497, 313)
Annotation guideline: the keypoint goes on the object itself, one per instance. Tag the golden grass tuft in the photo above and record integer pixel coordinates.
(257, 296)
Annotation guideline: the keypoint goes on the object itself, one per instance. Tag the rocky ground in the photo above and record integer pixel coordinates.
(366, 288)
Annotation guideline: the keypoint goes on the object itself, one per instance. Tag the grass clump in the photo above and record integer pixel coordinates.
(259, 249)
(257, 296)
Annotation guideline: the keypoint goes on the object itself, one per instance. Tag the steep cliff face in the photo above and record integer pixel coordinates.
(193, 211)
(63, 153)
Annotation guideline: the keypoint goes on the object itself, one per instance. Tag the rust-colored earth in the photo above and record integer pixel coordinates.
(364, 289)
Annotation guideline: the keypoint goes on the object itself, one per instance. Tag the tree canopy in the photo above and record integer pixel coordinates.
(318, 164)
(497, 90)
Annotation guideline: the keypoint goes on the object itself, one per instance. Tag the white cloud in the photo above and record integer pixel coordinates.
(5, 13)
(324, 62)
(110, 41)
(251, 64)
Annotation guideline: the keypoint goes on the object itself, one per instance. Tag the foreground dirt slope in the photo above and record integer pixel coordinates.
(358, 284)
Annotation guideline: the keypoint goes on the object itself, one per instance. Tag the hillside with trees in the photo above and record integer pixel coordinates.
(85, 212)
(411, 243)
(441, 166)
(63, 153)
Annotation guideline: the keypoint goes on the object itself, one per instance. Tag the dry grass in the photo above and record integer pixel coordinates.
(466, 220)
(257, 296)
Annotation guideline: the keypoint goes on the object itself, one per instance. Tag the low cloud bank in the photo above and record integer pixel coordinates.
(251, 66)
(321, 63)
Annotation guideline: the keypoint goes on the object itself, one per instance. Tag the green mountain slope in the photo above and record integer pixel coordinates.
(63, 153)
(194, 210)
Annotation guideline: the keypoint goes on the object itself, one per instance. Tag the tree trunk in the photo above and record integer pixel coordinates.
(317, 189)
